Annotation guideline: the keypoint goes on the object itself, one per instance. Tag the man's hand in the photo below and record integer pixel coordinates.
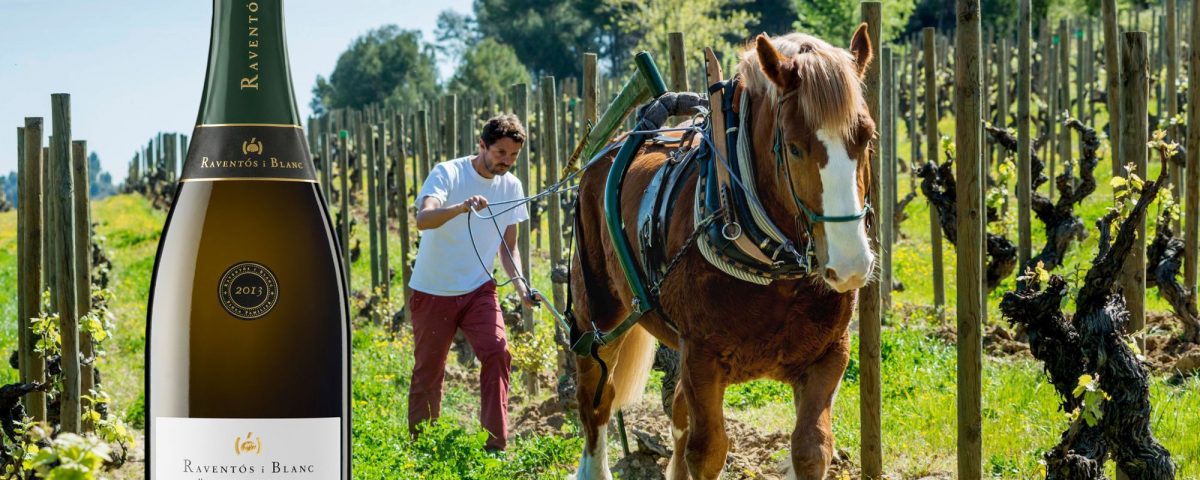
(475, 202)
(528, 298)
(433, 214)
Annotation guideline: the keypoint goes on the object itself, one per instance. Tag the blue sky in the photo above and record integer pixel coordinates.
(136, 67)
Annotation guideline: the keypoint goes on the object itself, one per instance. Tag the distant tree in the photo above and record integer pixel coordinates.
(704, 23)
(489, 67)
(386, 65)
(548, 36)
(8, 186)
(455, 34)
(1000, 16)
(99, 181)
(322, 94)
(835, 20)
(773, 17)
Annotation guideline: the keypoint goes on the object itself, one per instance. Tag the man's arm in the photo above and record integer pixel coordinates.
(512, 264)
(433, 215)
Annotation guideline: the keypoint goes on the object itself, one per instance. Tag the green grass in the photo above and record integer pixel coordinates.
(1020, 411)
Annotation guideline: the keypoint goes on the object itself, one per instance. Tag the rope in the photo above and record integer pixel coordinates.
(555, 188)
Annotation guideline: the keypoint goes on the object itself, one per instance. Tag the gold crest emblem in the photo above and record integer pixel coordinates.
(251, 444)
(252, 146)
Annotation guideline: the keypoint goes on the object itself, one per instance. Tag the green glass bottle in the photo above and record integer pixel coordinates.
(248, 354)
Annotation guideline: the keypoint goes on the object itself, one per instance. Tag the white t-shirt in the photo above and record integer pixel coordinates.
(445, 264)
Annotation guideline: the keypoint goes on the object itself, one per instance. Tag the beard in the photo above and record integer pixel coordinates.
(496, 168)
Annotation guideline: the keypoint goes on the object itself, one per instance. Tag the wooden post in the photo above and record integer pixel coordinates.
(1171, 50)
(1082, 65)
(985, 69)
(971, 294)
(888, 174)
(83, 271)
(679, 81)
(423, 146)
(383, 167)
(365, 157)
(869, 302)
(1005, 74)
(344, 174)
(466, 129)
(520, 100)
(22, 253)
(1024, 77)
(1064, 99)
(1156, 65)
(449, 127)
(537, 159)
(47, 245)
(372, 162)
(550, 162)
(402, 208)
(932, 154)
(1112, 74)
(914, 130)
(327, 138)
(61, 230)
(1193, 155)
(183, 150)
(1052, 127)
(887, 126)
(29, 255)
(1135, 92)
(1090, 71)
(314, 151)
(589, 90)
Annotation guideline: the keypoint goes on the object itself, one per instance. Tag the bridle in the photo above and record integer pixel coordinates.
(811, 217)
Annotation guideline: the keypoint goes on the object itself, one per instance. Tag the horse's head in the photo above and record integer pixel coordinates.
(813, 129)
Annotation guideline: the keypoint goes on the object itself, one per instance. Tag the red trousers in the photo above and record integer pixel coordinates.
(435, 320)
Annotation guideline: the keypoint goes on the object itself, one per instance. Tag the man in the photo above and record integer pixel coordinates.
(451, 281)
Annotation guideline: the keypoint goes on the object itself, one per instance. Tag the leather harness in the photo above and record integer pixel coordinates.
(733, 231)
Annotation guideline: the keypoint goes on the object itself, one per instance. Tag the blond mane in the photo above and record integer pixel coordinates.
(829, 88)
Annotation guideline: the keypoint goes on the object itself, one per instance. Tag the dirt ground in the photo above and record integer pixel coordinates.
(753, 454)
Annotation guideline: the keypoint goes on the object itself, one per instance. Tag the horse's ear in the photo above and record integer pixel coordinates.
(860, 46)
(773, 64)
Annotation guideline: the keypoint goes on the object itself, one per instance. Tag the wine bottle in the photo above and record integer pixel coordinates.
(247, 357)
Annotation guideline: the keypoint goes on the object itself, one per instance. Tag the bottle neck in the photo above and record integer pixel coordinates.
(248, 80)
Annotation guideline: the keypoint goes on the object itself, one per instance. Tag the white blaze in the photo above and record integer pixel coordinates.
(848, 247)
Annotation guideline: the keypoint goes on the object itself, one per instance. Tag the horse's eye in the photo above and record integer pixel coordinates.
(794, 150)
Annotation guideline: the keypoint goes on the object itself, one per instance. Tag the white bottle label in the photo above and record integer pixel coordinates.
(247, 448)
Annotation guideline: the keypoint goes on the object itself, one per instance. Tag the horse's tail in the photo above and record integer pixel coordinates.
(630, 358)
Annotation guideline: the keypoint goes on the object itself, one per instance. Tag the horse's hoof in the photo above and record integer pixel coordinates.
(582, 475)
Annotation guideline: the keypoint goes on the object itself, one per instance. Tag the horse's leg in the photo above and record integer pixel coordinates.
(704, 393)
(812, 440)
(676, 468)
(629, 359)
(593, 465)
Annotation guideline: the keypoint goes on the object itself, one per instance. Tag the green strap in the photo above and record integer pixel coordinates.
(812, 216)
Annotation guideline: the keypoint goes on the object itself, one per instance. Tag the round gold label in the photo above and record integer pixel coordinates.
(248, 290)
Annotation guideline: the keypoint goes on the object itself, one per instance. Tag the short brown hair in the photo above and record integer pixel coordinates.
(503, 126)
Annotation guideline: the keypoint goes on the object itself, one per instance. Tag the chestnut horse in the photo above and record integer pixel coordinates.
(729, 330)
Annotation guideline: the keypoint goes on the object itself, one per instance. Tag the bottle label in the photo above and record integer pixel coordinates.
(248, 290)
(247, 448)
(248, 152)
